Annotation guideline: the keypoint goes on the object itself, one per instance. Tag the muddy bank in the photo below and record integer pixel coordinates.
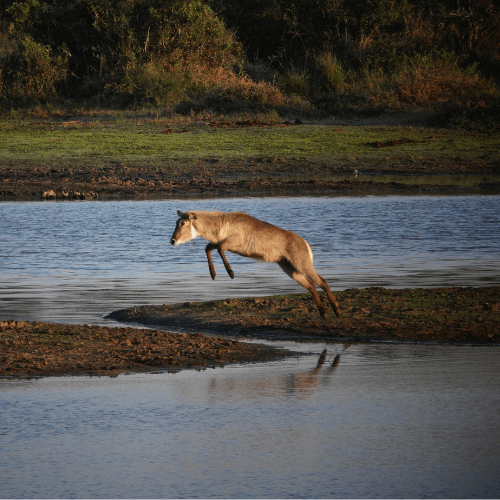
(138, 158)
(443, 315)
(212, 188)
(43, 349)
(120, 181)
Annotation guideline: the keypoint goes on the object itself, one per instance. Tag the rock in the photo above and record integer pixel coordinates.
(87, 195)
(12, 323)
(49, 195)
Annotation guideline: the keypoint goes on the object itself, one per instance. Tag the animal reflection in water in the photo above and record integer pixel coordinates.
(247, 236)
(306, 381)
(302, 384)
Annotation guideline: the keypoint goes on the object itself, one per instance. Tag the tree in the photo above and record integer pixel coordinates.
(111, 43)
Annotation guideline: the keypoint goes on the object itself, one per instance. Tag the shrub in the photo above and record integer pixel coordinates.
(32, 71)
(223, 91)
(330, 75)
(258, 71)
(294, 82)
(120, 49)
(426, 80)
(480, 113)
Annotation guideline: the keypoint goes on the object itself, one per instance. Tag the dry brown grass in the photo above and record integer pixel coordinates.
(224, 91)
(430, 82)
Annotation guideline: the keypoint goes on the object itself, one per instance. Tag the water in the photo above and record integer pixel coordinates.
(74, 262)
(391, 421)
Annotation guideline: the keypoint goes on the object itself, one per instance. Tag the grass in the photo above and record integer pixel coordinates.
(153, 141)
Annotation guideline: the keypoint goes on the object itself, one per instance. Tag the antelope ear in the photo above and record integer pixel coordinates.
(192, 216)
(182, 215)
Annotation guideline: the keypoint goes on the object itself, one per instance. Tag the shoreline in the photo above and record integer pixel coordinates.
(440, 315)
(36, 349)
(123, 159)
(453, 316)
(24, 186)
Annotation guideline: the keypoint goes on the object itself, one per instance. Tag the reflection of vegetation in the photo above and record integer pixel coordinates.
(234, 55)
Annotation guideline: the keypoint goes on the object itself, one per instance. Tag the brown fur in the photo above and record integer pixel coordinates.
(245, 235)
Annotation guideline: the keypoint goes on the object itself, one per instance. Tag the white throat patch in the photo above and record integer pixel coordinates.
(193, 234)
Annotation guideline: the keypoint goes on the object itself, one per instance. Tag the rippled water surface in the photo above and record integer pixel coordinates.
(76, 262)
(390, 421)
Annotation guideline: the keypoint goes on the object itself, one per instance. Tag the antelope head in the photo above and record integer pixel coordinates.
(184, 229)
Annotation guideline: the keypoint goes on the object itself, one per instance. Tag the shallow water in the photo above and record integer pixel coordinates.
(74, 262)
(391, 421)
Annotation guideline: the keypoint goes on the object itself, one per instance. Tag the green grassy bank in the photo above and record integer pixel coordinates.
(176, 142)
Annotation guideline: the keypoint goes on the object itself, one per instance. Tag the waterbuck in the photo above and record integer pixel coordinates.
(245, 235)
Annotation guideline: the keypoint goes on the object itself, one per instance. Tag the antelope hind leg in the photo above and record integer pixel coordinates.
(321, 282)
(306, 283)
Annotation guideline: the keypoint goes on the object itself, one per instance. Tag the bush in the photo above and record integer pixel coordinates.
(330, 75)
(294, 82)
(427, 80)
(480, 113)
(32, 72)
(162, 52)
(120, 49)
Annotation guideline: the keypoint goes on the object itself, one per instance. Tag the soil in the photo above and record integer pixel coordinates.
(443, 315)
(43, 349)
(140, 182)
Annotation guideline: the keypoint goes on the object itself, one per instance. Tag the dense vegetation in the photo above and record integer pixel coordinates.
(251, 55)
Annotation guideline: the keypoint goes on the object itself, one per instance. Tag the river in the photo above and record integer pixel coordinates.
(390, 421)
(77, 261)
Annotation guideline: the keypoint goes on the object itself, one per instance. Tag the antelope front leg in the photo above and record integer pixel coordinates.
(208, 250)
(226, 263)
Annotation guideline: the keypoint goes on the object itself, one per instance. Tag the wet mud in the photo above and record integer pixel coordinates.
(120, 181)
(42, 349)
(442, 315)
